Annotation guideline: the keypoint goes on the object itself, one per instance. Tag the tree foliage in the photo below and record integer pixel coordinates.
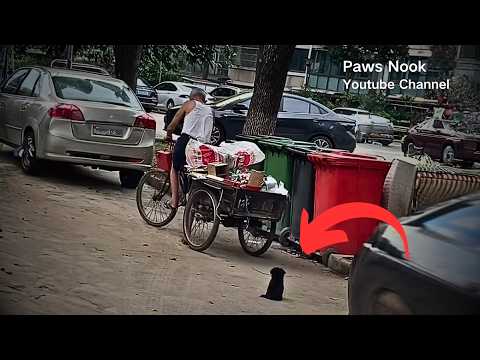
(169, 59)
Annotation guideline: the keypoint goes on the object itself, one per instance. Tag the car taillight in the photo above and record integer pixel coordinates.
(145, 121)
(66, 111)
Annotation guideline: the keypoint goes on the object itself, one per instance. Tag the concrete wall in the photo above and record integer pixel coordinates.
(242, 76)
(246, 77)
(295, 80)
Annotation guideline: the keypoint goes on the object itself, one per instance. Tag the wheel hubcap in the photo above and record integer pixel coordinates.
(215, 137)
(448, 155)
(322, 143)
(28, 151)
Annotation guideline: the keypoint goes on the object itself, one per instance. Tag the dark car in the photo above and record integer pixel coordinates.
(299, 118)
(442, 141)
(147, 95)
(442, 275)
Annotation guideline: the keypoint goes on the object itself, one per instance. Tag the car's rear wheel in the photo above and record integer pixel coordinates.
(323, 142)
(218, 135)
(409, 148)
(130, 178)
(170, 104)
(448, 154)
(28, 158)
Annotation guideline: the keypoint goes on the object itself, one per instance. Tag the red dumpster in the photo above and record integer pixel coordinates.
(342, 178)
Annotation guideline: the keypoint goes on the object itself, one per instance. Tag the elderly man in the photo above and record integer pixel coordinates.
(197, 124)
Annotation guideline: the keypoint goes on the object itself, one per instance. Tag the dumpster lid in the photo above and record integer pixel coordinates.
(275, 143)
(346, 159)
(301, 150)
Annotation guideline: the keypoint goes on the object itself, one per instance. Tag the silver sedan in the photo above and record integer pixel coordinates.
(76, 117)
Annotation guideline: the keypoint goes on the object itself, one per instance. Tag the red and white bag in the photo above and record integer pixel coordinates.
(238, 154)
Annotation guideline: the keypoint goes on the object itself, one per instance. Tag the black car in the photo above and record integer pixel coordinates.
(442, 275)
(299, 118)
(147, 95)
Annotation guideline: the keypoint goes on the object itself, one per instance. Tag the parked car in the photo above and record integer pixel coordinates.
(442, 275)
(76, 117)
(299, 118)
(208, 97)
(369, 126)
(173, 93)
(147, 95)
(224, 91)
(441, 141)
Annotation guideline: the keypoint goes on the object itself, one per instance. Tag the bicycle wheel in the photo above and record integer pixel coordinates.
(254, 240)
(153, 192)
(200, 219)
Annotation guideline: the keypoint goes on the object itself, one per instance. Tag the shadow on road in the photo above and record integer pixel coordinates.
(69, 174)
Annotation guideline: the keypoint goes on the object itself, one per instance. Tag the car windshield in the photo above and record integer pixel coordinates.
(73, 88)
(234, 99)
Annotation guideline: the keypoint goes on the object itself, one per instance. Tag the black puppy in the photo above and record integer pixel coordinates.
(275, 287)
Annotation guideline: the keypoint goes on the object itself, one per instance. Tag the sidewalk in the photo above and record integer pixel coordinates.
(72, 242)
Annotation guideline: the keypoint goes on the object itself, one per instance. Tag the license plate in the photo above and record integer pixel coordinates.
(143, 93)
(108, 130)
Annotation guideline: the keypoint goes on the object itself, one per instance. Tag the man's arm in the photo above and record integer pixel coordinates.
(179, 116)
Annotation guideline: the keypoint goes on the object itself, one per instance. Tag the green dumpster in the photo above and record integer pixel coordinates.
(280, 166)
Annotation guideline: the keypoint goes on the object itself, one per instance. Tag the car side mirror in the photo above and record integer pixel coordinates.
(239, 108)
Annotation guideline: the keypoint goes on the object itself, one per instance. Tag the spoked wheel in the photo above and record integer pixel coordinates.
(217, 136)
(255, 240)
(200, 219)
(28, 158)
(323, 142)
(448, 155)
(153, 195)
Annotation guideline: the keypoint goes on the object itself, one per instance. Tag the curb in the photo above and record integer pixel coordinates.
(340, 263)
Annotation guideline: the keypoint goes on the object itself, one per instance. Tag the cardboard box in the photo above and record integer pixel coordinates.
(256, 178)
(217, 169)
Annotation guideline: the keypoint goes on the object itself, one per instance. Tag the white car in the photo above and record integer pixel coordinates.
(224, 91)
(369, 126)
(172, 93)
(208, 97)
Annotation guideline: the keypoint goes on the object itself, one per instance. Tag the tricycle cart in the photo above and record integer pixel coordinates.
(210, 202)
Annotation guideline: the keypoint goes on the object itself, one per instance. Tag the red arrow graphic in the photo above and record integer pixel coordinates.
(316, 236)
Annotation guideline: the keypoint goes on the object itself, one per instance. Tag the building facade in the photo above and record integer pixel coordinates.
(312, 66)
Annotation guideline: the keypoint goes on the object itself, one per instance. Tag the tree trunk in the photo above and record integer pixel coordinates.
(271, 73)
(127, 59)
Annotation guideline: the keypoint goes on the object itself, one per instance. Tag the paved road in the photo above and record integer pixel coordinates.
(390, 152)
(72, 242)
